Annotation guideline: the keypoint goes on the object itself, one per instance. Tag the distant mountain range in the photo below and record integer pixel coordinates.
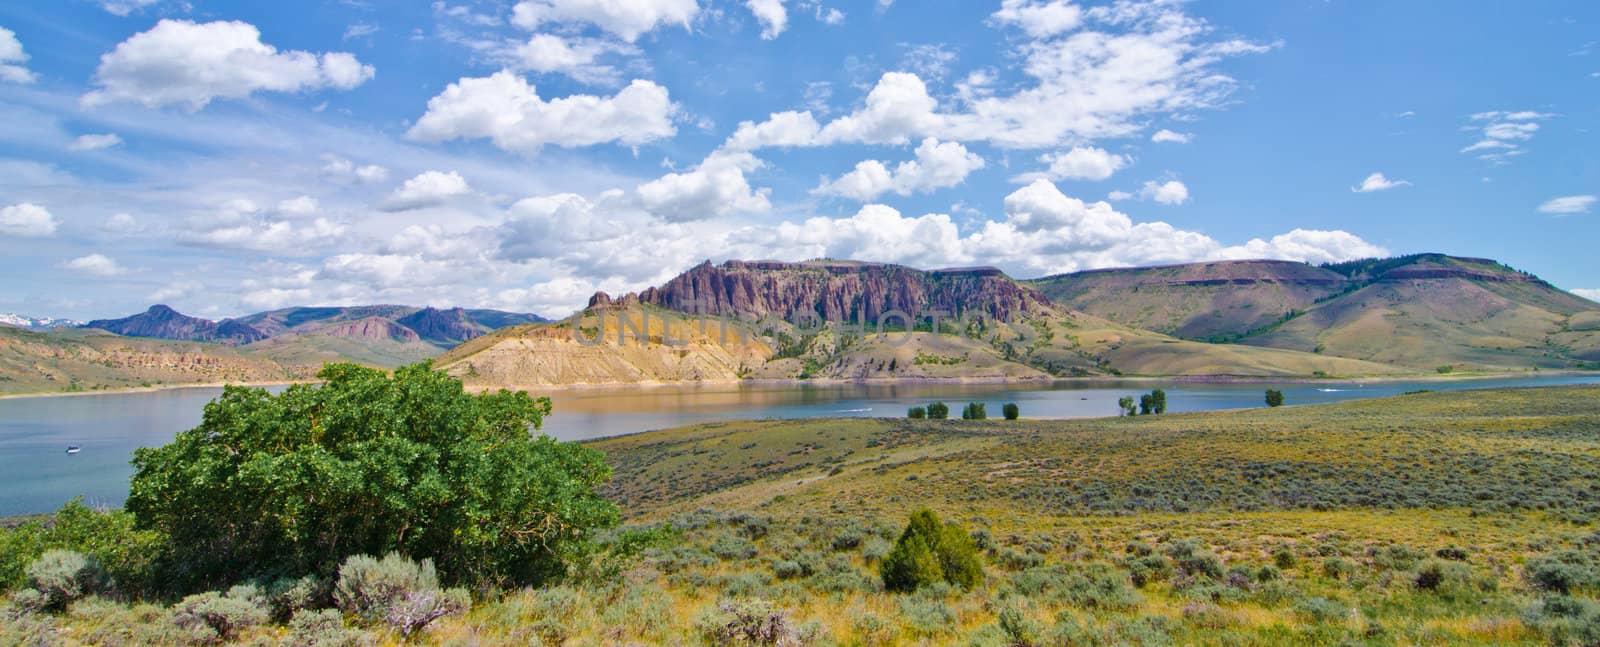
(1410, 315)
(36, 323)
(402, 324)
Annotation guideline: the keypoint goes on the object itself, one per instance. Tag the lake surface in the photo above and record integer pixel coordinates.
(37, 475)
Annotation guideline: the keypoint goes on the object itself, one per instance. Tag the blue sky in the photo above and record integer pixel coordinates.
(232, 157)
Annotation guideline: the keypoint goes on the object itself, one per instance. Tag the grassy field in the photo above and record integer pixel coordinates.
(1437, 518)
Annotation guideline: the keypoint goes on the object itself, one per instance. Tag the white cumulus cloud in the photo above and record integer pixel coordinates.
(94, 265)
(576, 57)
(1169, 137)
(1377, 182)
(717, 187)
(772, 16)
(1169, 192)
(12, 57)
(508, 111)
(937, 165)
(94, 142)
(1567, 205)
(183, 62)
(344, 170)
(427, 189)
(1592, 294)
(1080, 163)
(28, 220)
(1039, 18)
(627, 19)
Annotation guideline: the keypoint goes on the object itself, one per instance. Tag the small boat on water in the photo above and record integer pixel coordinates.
(73, 449)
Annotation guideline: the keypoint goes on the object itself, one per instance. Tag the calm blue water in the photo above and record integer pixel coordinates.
(37, 475)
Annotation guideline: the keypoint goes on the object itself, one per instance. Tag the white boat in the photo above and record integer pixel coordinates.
(73, 449)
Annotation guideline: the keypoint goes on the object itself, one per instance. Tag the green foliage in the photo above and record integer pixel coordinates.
(395, 591)
(62, 576)
(929, 552)
(219, 617)
(1446, 369)
(367, 463)
(754, 622)
(938, 411)
(1560, 572)
(917, 413)
(1158, 401)
(1565, 620)
(1011, 411)
(324, 628)
(974, 411)
(1126, 405)
(1274, 398)
(1147, 404)
(107, 537)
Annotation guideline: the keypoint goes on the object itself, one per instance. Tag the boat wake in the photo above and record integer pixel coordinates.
(1333, 390)
(854, 410)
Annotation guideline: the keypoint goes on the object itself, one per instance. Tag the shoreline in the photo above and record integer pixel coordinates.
(152, 389)
(835, 382)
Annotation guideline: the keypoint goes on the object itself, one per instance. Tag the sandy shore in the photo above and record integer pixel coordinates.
(151, 389)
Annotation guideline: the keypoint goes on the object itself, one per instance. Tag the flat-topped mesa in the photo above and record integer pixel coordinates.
(838, 291)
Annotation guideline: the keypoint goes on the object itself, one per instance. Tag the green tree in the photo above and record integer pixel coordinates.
(1274, 398)
(1125, 406)
(1147, 404)
(974, 411)
(917, 413)
(371, 464)
(938, 411)
(1010, 410)
(929, 552)
(1158, 401)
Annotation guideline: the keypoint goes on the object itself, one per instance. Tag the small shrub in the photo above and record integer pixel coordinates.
(1565, 620)
(872, 629)
(1011, 411)
(1322, 610)
(1148, 568)
(217, 617)
(1338, 568)
(917, 413)
(1284, 559)
(754, 622)
(323, 628)
(1452, 553)
(25, 602)
(1559, 572)
(974, 411)
(286, 597)
(784, 569)
(927, 616)
(728, 547)
(63, 576)
(1191, 557)
(1274, 398)
(929, 552)
(1018, 628)
(395, 591)
(938, 411)
(875, 549)
(1436, 575)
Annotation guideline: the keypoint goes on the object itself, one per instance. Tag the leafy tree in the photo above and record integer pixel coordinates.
(1147, 404)
(1011, 411)
(929, 552)
(917, 413)
(1274, 398)
(938, 411)
(974, 411)
(1158, 401)
(371, 464)
(107, 537)
(1126, 405)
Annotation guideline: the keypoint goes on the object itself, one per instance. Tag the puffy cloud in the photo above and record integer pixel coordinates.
(1377, 182)
(575, 57)
(1568, 205)
(28, 220)
(505, 109)
(86, 143)
(427, 189)
(627, 19)
(1039, 18)
(11, 58)
(1592, 294)
(772, 16)
(94, 265)
(122, 223)
(875, 232)
(1307, 246)
(1169, 192)
(1080, 163)
(125, 7)
(1041, 206)
(717, 187)
(937, 165)
(1090, 84)
(1503, 133)
(179, 61)
(344, 170)
(302, 206)
(269, 236)
(1167, 136)
(781, 129)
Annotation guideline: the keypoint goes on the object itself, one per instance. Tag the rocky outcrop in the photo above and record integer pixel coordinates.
(370, 328)
(445, 327)
(836, 291)
(163, 322)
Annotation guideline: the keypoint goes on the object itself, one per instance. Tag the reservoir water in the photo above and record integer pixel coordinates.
(37, 475)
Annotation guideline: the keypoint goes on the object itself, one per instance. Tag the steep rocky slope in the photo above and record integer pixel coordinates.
(162, 322)
(88, 359)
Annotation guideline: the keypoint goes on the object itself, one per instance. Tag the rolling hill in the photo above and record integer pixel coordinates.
(1422, 312)
(89, 359)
